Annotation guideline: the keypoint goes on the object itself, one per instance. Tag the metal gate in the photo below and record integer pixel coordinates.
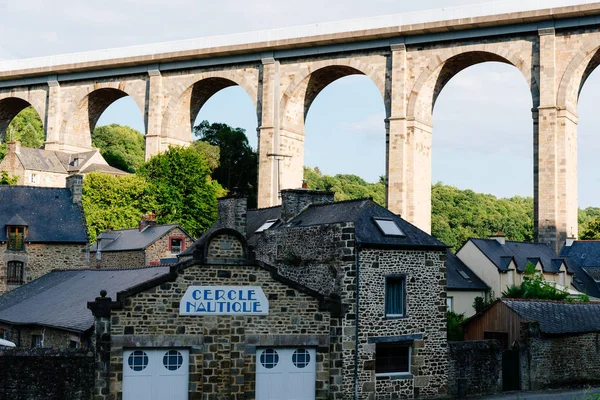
(511, 371)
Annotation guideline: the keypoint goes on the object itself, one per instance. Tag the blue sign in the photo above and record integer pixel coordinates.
(224, 300)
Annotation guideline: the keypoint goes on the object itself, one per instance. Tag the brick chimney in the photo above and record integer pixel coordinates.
(75, 185)
(232, 212)
(293, 201)
(13, 147)
(146, 221)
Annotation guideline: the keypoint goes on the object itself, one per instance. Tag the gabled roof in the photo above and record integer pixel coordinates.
(59, 298)
(132, 239)
(520, 252)
(256, 218)
(583, 258)
(557, 317)
(456, 280)
(362, 213)
(41, 160)
(50, 214)
(103, 168)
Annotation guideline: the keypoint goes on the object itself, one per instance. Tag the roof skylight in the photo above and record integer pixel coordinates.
(388, 227)
(463, 274)
(269, 223)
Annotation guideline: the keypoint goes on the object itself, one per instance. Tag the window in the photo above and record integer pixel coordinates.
(138, 360)
(395, 299)
(266, 225)
(392, 358)
(463, 274)
(388, 227)
(36, 341)
(450, 303)
(34, 178)
(301, 358)
(15, 237)
(176, 245)
(14, 273)
(73, 344)
(172, 360)
(269, 358)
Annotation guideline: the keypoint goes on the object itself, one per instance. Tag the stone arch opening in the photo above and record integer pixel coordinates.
(79, 124)
(436, 76)
(31, 125)
(184, 110)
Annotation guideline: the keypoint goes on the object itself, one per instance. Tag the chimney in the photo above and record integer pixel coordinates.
(232, 212)
(75, 185)
(293, 201)
(500, 238)
(146, 221)
(13, 147)
(569, 241)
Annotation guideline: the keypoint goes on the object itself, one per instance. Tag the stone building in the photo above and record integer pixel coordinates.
(148, 244)
(51, 312)
(47, 168)
(583, 258)
(313, 299)
(42, 229)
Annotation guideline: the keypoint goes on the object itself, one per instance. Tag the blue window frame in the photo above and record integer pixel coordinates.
(395, 296)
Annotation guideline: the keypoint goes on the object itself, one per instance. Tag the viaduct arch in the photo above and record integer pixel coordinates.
(554, 49)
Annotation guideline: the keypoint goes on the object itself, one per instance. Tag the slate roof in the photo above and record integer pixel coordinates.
(557, 317)
(132, 239)
(103, 168)
(521, 252)
(60, 162)
(455, 281)
(256, 218)
(362, 213)
(59, 298)
(49, 213)
(583, 258)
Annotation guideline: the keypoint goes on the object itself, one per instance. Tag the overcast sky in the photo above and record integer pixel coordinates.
(482, 136)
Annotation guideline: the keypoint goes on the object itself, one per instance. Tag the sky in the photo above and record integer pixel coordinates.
(482, 138)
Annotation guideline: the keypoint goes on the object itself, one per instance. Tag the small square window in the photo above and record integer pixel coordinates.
(269, 223)
(34, 178)
(388, 227)
(14, 273)
(392, 358)
(36, 341)
(176, 245)
(449, 304)
(395, 296)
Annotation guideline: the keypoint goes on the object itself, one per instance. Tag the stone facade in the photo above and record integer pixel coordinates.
(41, 374)
(22, 336)
(40, 258)
(476, 365)
(558, 360)
(222, 348)
(554, 63)
(138, 258)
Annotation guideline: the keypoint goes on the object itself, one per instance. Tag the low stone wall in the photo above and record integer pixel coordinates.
(561, 361)
(476, 364)
(41, 374)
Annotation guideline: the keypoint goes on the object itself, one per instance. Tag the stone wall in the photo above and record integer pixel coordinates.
(560, 361)
(477, 364)
(119, 259)
(41, 374)
(160, 248)
(54, 338)
(424, 321)
(41, 258)
(221, 346)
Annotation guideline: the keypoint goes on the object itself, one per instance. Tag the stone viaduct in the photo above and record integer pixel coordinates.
(554, 49)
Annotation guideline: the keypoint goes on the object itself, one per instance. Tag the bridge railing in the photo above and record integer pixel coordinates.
(272, 35)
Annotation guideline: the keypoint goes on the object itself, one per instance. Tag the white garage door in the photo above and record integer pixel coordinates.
(285, 374)
(150, 374)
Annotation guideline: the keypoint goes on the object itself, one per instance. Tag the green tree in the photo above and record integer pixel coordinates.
(115, 202)
(591, 230)
(26, 127)
(534, 286)
(121, 146)
(455, 330)
(346, 187)
(182, 186)
(238, 162)
(7, 179)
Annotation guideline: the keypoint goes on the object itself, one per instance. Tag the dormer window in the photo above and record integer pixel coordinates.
(269, 223)
(388, 227)
(76, 162)
(16, 236)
